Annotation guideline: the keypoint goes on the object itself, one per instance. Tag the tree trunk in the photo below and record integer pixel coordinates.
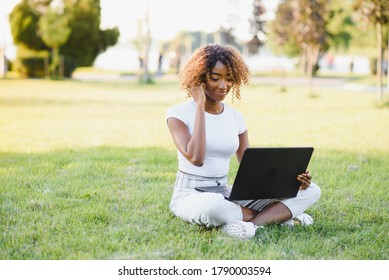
(61, 69)
(54, 62)
(303, 61)
(379, 60)
(312, 58)
(310, 68)
(46, 66)
(146, 72)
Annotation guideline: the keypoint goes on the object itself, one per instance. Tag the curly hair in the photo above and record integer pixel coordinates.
(198, 68)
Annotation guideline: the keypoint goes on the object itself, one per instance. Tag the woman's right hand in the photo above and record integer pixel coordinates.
(191, 146)
(198, 93)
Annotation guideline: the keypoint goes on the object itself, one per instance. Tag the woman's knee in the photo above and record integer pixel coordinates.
(211, 215)
(219, 211)
(314, 192)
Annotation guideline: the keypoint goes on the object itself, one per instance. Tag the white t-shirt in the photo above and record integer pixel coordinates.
(222, 138)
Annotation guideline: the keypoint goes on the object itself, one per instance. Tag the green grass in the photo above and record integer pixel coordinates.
(86, 172)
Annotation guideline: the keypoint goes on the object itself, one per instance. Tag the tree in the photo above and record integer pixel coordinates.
(54, 31)
(282, 39)
(142, 44)
(310, 32)
(301, 25)
(227, 37)
(340, 25)
(257, 27)
(24, 25)
(85, 39)
(376, 12)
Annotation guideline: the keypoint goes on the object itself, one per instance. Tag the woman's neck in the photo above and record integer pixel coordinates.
(214, 108)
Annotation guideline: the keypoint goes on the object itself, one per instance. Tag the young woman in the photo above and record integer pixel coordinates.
(207, 132)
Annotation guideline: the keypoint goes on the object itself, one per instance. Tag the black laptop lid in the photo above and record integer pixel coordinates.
(270, 172)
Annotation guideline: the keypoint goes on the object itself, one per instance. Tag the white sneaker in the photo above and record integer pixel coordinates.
(240, 229)
(303, 219)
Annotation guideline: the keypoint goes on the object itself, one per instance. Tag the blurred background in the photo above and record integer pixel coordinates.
(149, 38)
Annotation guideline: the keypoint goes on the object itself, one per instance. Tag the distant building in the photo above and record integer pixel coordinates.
(124, 57)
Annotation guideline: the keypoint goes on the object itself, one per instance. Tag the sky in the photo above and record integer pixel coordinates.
(167, 17)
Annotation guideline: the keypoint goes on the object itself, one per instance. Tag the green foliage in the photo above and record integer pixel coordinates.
(281, 30)
(75, 33)
(367, 13)
(54, 28)
(36, 64)
(31, 67)
(301, 26)
(310, 25)
(257, 27)
(303, 22)
(84, 42)
(375, 11)
(340, 25)
(55, 31)
(257, 22)
(345, 30)
(109, 37)
(24, 25)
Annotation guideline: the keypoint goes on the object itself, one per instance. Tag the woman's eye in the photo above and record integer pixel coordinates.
(217, 79)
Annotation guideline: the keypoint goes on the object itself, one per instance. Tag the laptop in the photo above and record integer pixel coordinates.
(266, 173)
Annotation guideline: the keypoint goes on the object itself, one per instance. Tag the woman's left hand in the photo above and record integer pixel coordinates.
(305, 180)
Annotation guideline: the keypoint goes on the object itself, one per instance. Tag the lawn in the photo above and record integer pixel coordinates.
(87, 168)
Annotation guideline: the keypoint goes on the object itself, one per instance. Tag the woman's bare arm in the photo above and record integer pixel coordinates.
(192, 147)
(243, 145)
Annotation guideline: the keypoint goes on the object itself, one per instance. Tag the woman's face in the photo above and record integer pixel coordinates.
(219, 82)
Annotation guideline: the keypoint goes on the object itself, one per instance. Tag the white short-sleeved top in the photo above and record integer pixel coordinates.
(222, 138)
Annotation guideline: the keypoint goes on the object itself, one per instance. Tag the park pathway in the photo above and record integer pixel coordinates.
(330, 82)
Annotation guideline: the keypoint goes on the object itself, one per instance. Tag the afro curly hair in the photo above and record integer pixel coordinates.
(198, 68)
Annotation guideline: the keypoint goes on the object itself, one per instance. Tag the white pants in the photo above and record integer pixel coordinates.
(212, 209)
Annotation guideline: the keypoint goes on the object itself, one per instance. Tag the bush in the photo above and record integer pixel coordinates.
(10, 65)
(34, 67)
(70, 66)
(31, 67)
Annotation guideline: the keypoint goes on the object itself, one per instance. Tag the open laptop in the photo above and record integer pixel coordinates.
(267, 173)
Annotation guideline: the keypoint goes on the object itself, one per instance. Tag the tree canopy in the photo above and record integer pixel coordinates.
(24, 25)
(376, 12)
(79, 38)
(257, 27)
(300, 27)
